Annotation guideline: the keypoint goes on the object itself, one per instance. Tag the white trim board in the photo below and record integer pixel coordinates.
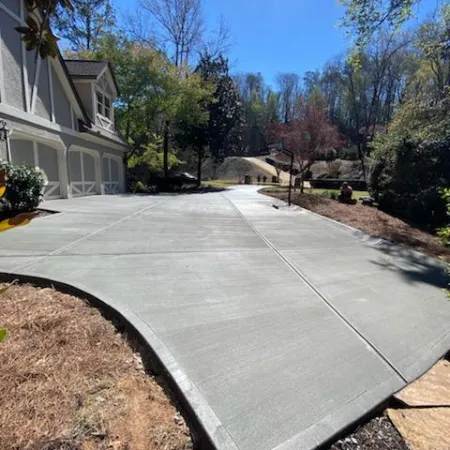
(11, 13)
(36, 120)
(52, 97)
(2, 77)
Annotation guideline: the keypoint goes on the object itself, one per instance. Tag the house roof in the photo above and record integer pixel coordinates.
(80, 68)
(86, 117)
(89, 69)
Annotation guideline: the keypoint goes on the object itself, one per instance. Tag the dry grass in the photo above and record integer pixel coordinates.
(68, 380)
(370, 220)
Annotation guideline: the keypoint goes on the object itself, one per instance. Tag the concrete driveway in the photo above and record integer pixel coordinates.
(279, 326)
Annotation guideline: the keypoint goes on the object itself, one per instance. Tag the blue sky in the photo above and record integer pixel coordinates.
(273, 36)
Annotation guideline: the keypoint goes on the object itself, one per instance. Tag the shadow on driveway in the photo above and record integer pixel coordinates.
(412, 265)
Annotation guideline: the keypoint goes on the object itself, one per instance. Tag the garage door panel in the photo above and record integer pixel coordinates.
(114, 170)
(22, 152)
(106, 169)
(75, 166)
(82, 171)
(111, 180)
(52, 190)
(89, 167)
(48, 162)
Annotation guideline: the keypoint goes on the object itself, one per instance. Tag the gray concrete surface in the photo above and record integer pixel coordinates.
(280, 327)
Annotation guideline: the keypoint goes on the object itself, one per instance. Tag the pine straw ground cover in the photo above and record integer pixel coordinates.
(69, 380)
(368, 219)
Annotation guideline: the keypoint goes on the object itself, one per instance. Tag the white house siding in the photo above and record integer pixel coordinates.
(43, 121)
(43, 106)
(84, 90)
(12, 5)
(62, 104)
(11, 62)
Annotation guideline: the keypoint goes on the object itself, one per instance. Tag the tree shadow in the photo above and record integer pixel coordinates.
(413, 266)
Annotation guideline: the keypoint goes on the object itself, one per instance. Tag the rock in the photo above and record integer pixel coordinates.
(423, 428)
(432, 389)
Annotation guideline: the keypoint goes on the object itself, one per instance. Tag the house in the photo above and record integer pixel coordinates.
(60, 115)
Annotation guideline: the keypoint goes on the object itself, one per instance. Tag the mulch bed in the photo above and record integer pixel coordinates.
(370, 220)
(377, 434)
(69, 380)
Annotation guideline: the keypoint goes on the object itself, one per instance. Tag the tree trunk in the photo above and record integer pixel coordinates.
(199, 166)
(166, 149)
(88, 34)
(361, 158)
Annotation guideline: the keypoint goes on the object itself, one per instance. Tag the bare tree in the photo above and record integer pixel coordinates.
(288, 87)
(180, 23)
(219, 41)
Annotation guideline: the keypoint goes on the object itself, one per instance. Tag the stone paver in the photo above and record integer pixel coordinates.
(279, 326)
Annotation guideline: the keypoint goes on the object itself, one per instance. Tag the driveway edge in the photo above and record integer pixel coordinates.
(208, 432)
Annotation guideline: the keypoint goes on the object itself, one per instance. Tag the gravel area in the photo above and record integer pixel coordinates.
(378, 434)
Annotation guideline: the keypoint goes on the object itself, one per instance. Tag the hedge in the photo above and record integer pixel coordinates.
(24, 188)
(330, 183)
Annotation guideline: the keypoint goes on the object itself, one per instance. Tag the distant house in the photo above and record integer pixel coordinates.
(60, 115)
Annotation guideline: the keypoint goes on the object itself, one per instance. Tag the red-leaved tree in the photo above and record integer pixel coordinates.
(307, 137)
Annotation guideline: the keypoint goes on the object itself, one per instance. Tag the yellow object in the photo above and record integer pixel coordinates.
(16, 221)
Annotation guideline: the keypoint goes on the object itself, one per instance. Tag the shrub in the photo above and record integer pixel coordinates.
(139, 188)
(444, 232)
(333, 195)
(408, 176)
(24, 187)
(332, 183)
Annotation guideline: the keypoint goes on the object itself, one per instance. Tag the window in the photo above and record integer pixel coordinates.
(103, 105)
(107, 107)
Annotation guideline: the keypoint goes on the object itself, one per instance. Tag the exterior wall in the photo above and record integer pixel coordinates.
(22, 152)
(85, 92)
(11, 57)
(43, 105)
(13, 5)
(28, 85)
(63, 110)
(41, 112)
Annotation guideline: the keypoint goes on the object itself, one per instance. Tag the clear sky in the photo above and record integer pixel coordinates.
(273, 36)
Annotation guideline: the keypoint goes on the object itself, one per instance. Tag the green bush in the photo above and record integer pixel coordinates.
(139, 188)
(408, 176)
(24, 187)
(444, 232)
(333, 195)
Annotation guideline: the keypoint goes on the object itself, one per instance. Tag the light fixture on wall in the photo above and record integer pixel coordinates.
(4, 136)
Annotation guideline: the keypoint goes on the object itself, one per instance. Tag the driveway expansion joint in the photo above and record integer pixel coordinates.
(299, 273)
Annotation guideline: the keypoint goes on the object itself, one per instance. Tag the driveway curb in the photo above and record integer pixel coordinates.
(208, 431)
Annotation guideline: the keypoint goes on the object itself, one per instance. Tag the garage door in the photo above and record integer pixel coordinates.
(41, 156)
(111, 175)
(82, 173)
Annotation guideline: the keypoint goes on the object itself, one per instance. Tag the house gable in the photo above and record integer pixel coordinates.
(38, 87)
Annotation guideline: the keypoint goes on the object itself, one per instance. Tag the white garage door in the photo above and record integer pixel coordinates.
(41, 156)
(111, 177)
(82, 173)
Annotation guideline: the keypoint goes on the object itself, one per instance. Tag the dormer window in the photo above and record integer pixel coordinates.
(104, 105)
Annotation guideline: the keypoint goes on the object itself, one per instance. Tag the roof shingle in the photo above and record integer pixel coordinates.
(79, 68)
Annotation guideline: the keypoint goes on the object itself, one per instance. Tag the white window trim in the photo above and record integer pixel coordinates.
(2, 78)
(26, 86)
(101, 91)
(52, 97)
